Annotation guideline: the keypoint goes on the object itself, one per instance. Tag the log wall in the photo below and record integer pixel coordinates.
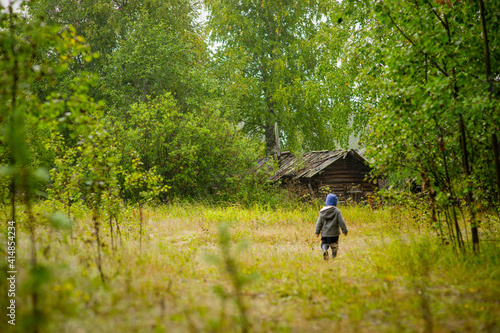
(347, 178)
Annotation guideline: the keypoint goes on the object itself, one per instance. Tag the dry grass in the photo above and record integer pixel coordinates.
(390, 276)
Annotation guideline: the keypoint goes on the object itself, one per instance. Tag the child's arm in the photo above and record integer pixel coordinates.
(319, 226)
(342, 224)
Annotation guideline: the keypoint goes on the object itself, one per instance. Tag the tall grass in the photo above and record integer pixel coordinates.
(392, 274)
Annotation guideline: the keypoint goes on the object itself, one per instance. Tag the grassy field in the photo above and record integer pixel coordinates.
(264, 272)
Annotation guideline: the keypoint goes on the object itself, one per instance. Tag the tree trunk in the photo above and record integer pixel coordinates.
(465, 160)
(496, 154)
(98, 243)
(270, 127)
(489, 78)
(459, 239)
(140, 230)
(470, 199)
(271, 143)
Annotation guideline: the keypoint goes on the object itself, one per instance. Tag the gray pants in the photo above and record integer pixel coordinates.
(334, 246)
(327, 242)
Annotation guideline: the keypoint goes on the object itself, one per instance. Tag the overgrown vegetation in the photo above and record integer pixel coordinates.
(391, 274)
(437, 119)
(128, 181)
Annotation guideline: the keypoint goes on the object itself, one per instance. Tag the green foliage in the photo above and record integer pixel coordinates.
(26, 121)
(438, 113)
(228, 263)
(86, 155)
(21, 42)
(143, 186)
(60, 221)
(430, 82)
(65, 179)
(195, 155)
(21, 67)
(155, 58)
(148, 49)
(289, 61)
(143, 47)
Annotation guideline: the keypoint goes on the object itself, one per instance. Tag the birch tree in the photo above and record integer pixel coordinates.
(286, 66)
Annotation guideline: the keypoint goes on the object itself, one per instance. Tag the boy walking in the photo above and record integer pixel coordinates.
(330, 221)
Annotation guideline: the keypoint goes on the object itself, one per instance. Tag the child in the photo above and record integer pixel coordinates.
(329, 221)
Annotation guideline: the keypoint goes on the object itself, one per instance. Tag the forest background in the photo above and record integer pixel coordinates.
(109, 107)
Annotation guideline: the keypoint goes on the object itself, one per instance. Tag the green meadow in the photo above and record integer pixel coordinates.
(203, 268)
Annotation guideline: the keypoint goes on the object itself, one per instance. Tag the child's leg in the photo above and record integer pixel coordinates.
(324, 248)
(335, 247)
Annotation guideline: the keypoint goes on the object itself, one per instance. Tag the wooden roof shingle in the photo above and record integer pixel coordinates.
(309, 164)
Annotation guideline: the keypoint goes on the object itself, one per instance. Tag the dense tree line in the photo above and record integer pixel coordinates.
(193, 100)
(292, 71)
(147, 63)
(198, 102)
(438, 113)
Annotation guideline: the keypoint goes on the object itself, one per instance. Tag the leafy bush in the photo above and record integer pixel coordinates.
(197, 155)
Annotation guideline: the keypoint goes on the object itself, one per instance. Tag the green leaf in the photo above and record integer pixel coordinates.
(42, 174)
(8, 170)
(60, 220)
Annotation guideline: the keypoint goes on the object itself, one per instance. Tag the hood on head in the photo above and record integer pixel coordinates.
(328, 212)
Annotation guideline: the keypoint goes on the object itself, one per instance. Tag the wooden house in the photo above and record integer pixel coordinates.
(345, 173)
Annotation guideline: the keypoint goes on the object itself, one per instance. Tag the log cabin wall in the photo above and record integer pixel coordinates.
(347, 178)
